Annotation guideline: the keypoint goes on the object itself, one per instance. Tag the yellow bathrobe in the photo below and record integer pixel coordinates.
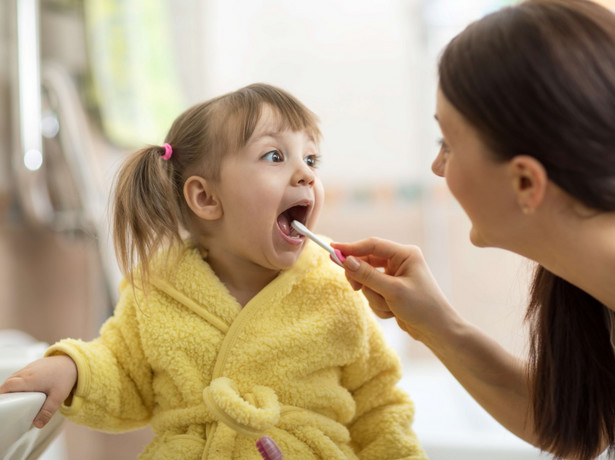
(304, 362)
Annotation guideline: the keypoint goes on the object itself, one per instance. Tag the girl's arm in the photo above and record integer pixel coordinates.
(114, 391)
(56, 376)
(398, 283)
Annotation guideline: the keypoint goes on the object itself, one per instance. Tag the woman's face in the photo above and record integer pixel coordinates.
(481, 185)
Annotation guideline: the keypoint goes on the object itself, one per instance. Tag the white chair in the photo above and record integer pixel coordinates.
(19, 440)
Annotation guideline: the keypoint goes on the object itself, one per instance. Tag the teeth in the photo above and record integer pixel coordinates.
(284, 224)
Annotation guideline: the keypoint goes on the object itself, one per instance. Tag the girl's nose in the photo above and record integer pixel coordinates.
(438, 164)
(303, 175)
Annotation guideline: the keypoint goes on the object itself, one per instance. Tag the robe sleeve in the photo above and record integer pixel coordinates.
(382, 426)
(114, 385)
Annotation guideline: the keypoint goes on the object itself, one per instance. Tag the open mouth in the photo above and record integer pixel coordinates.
(298, 212)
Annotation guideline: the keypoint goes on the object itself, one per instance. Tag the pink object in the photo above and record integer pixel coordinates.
(168, 151)
(340, 256)
(268, 449)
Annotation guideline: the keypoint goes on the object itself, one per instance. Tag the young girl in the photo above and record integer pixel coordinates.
(245, 328)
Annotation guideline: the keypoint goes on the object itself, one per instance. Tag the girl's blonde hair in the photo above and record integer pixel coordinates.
(150, 211)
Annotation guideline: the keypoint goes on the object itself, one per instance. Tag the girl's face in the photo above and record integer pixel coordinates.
(474, 177)
(262, 188)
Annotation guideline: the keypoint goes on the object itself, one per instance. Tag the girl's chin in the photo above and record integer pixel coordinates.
(287, 259)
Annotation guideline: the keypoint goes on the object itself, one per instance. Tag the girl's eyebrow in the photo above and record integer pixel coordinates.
(436, 117)
(269, 134)
(263, 137)
(275, 135)
(272, 133)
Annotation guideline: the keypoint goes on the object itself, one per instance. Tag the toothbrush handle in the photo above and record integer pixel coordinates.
(336, 254)
(269, 449)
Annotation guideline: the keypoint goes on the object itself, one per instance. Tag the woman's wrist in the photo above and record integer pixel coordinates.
(448, 332)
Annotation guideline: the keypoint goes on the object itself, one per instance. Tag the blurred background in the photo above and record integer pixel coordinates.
(84, 82)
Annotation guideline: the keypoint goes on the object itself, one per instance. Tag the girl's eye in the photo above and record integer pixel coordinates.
(443, 146)
(275, 156)
(312, 160)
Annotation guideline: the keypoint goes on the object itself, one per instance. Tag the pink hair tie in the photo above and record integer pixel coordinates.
(168, 151)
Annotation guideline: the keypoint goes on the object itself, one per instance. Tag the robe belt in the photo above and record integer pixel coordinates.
(250, 413)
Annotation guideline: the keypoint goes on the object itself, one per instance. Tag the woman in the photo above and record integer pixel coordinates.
(526, 106)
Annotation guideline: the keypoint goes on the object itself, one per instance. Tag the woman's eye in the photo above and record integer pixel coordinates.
(312, 160)
(443, 146)
(275, 156)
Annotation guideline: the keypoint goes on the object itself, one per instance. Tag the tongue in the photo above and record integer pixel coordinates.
(284, 224)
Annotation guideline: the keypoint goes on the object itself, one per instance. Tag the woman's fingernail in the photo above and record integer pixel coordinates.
(352, 264)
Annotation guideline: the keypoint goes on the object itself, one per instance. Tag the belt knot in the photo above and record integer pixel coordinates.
(250, 412)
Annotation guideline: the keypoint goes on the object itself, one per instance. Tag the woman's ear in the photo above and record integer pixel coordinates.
(529, 181)
(200, 196)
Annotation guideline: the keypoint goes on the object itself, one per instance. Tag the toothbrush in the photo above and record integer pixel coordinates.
(268, 449)
(336, 254)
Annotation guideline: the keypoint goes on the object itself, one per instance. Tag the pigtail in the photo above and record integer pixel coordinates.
(147, 214)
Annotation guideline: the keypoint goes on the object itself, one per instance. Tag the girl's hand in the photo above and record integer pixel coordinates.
(397, 283)
(55, 376)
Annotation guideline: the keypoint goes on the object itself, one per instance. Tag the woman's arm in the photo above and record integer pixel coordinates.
(495, 378)
(398, 283)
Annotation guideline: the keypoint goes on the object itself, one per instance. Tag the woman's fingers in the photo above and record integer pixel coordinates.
(397, 282)
(354, 284)
(375, 247)
(377, 303)
(364, 274)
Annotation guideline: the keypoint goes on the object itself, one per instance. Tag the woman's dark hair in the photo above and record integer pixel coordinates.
(538, 79)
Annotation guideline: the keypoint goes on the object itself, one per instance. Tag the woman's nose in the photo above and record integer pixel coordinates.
(438, 164)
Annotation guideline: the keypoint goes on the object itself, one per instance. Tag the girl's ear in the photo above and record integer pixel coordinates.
(529, 181)
(200, 196)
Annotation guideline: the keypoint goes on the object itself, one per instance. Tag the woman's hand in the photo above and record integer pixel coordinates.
(397, 283)
(55, 376)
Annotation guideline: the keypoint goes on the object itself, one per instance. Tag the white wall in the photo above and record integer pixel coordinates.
(353, 63)
(368, 70)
